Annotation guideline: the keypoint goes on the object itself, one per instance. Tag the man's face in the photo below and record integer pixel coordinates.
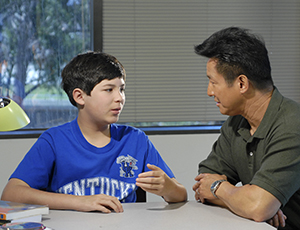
(228, 98)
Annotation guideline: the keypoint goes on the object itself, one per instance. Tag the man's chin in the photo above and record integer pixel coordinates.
(223, 111)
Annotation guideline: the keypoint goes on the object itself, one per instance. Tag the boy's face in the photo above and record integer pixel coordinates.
(106, 101)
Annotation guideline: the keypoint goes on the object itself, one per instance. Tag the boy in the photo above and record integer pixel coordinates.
(90, 163)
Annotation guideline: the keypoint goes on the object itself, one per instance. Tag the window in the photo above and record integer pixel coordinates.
(166, 80)
(154, 40)
(37, 39)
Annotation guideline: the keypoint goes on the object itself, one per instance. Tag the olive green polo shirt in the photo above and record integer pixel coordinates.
(269, 159)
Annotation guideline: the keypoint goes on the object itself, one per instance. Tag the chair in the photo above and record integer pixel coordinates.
(140, 195)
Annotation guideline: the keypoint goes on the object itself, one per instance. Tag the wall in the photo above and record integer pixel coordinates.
(181, 152)
(12, 151)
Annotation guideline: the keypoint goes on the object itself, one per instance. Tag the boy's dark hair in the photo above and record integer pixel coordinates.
(86, 70)
(238, 52)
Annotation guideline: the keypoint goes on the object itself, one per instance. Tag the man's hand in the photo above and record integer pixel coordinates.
(203, 184)
(278, 219)
(241, 199)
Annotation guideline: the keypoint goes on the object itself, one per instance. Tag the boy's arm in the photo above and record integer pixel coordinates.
(176, 194)
(18, 191)
(158, 182)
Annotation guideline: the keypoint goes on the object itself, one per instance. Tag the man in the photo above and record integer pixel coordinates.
(259, 144)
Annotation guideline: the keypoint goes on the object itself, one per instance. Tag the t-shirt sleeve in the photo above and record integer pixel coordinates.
(153, 157)
(36, 167)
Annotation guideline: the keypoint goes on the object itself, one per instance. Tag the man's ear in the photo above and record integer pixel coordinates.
(78, 96)
(243, 83)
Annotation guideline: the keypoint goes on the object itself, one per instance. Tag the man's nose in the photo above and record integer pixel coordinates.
(210, 92)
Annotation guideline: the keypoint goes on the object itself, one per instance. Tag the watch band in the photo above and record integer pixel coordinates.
(215, 185)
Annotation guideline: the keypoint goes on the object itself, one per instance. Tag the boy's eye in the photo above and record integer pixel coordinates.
(109, 90)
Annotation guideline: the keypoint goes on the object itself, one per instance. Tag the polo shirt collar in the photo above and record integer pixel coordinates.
(267, 121)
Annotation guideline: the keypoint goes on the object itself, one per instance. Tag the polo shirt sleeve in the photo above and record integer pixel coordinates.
(280, 167)
(220, 161)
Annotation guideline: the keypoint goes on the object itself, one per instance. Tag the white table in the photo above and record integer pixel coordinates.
(153, 215)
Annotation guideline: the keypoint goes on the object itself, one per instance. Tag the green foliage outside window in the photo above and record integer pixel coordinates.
(37, 39)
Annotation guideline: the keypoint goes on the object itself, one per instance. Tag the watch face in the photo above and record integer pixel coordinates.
(213, 185)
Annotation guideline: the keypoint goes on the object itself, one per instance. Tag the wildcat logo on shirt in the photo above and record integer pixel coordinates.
(128, 164)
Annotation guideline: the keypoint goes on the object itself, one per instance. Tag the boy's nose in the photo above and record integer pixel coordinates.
(120, 96)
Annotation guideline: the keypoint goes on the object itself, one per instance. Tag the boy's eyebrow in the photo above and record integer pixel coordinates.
(112, 85)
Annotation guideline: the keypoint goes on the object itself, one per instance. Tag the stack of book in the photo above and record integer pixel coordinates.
(12, 212)
(25, 226)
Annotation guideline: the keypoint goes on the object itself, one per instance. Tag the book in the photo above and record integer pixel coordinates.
(35, 218)
(13, 211)
(25, 226)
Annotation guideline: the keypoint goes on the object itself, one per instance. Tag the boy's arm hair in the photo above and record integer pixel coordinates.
(17, 190)
(176, 194)
(156, 181)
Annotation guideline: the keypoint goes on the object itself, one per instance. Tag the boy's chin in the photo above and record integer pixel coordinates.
(114, 120)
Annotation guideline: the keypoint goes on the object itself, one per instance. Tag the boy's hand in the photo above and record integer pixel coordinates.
(19, 191)
(155, 181)
(101, 202)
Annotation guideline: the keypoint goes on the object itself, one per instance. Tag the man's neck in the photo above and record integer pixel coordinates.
(256, 108)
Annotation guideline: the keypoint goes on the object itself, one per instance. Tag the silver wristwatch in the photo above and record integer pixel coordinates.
(214, 186)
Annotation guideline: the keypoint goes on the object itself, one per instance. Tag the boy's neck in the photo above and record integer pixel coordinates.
(97, 136)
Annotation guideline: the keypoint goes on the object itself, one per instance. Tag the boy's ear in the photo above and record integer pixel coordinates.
(78, 96)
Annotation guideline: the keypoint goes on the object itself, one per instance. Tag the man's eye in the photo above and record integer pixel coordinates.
(108, 90)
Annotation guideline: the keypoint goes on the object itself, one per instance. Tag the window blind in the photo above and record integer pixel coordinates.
(166, 80)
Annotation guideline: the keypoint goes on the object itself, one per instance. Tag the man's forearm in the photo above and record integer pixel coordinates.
(249, 201)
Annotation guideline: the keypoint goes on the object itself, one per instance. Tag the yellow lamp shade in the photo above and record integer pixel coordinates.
(12, 116)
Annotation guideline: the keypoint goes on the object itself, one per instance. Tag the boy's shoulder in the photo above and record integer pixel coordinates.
(122, 130)
(125, 128)
(60, 129)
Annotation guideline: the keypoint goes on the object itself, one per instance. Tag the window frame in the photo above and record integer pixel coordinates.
(97, 45)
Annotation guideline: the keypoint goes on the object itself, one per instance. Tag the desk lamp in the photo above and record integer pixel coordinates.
(12, 116)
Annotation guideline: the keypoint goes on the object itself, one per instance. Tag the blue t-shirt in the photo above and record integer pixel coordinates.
(63, 161)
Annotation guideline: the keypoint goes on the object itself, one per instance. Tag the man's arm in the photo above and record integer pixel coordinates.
(18, 191)
(249, 201)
